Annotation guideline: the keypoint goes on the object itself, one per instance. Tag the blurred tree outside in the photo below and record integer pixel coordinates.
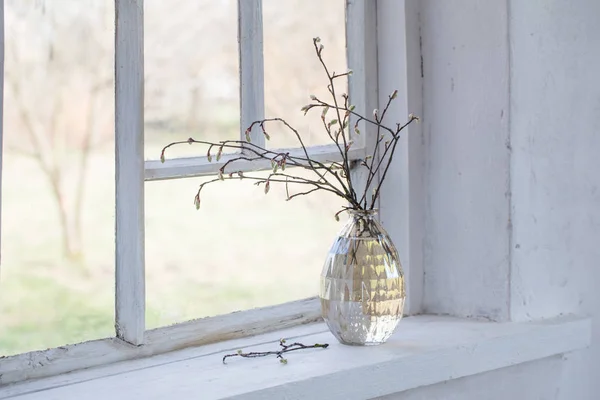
(59, 99)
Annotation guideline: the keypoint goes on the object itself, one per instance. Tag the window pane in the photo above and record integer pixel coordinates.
(292, 69)
(192, 78)
(57, 276)
(242, 249)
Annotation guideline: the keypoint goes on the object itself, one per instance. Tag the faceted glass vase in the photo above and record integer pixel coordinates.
(362, 284)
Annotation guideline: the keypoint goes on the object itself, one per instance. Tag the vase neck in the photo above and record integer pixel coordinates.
(363, 214)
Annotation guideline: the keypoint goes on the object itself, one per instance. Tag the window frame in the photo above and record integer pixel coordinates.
(130, 293)
(365, 55)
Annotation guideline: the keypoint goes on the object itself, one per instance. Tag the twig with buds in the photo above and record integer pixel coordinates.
(334, 177)
(285, 348)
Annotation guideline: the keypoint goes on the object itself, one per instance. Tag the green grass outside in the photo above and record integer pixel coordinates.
(243, 249)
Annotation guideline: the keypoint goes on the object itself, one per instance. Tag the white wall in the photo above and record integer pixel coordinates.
(555, 169)
(511, 124)
(465, 123)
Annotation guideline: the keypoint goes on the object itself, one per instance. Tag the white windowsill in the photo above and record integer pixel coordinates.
(425, 350)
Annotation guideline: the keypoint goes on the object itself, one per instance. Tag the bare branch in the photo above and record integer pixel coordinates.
(285, 348)
(338, 131)
(301, 193)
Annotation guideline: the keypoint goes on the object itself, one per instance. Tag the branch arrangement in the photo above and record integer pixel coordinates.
(333, 177)
(285, 348)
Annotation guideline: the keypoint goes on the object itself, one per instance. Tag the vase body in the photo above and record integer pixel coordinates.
(362, 284)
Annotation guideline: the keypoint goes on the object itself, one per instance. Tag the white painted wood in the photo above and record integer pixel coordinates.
(361, 52)
(200, 166)
(554, 123)
(1, 113)
(467, 157)
(38, 364)
(401, 204)
(129, 143)
(200, 332)
(539, 379)
(156, 360)
(252, 87)
(235, 325)
(427, 350)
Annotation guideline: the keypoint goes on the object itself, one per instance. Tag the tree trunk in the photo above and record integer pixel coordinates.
(70, 242)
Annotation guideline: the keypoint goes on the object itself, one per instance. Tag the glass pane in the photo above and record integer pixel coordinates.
(57, 275)
(292, 69)
(192, 78)
(242, 249)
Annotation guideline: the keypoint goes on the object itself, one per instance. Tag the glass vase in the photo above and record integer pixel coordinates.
(362, 284)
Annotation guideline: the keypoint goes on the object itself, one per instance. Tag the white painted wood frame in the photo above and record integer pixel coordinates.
(189, 167)
(1, 112)
(401, 204)
(361, 52)
(362, 59)
(252, 87)
(129, 152)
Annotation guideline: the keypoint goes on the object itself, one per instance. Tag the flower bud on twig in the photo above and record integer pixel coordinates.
(411, 116)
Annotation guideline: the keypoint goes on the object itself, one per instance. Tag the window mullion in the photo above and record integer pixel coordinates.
(200, 166)
(401, 204)
(252, 89)
(361, 43)
(129, 165)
